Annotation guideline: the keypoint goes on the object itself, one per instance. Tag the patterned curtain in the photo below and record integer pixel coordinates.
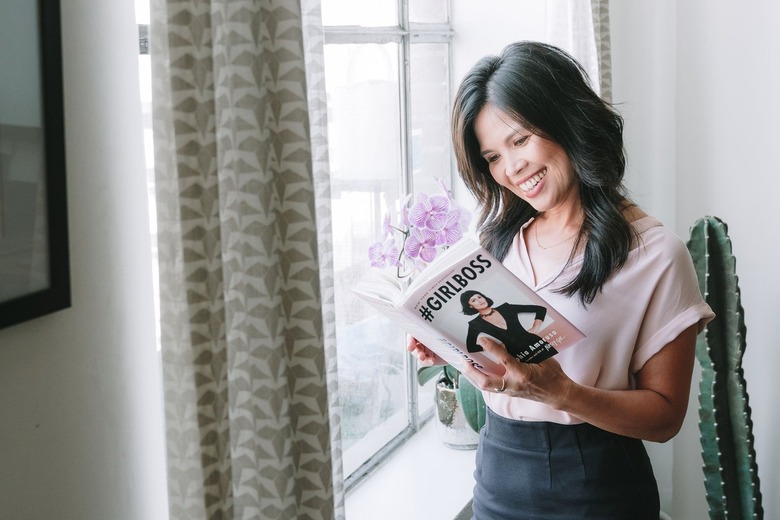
(600, 10)
(243, 343)
(314, 41)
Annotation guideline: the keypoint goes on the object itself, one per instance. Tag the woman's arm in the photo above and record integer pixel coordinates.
(535, 326)
(654, 411)
(474, 342)
(539, 311)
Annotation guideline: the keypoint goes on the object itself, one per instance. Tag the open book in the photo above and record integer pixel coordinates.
(463, 296)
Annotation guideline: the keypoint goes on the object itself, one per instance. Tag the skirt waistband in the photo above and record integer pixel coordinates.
(541, 436)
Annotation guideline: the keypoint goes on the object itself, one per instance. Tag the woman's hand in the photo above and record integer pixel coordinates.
(425, 356)
(544, 382)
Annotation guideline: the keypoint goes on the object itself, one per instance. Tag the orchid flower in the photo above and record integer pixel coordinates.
(421, 243)
(383, 253)
(429, 212)
(431, 223)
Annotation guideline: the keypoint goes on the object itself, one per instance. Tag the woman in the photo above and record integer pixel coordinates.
(543, 155)
(501, 323)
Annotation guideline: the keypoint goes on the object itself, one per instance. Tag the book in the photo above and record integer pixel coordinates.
(442, 309)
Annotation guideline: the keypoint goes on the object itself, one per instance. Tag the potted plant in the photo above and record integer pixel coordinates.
(460, 407)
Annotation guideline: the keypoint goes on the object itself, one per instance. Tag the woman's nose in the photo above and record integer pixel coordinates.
(515, 164)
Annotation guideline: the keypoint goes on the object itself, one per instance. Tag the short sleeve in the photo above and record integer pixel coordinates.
(675, 301)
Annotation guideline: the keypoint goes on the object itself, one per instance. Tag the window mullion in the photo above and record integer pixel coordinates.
(358, 34)
(407, 182)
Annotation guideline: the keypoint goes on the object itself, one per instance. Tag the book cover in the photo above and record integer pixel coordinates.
(464, 296)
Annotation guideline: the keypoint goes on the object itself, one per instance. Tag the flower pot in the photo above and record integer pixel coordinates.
(452, 428)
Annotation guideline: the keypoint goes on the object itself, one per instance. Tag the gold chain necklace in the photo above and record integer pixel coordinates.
(536, 236)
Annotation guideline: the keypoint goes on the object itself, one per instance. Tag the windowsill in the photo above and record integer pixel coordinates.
(403, 487)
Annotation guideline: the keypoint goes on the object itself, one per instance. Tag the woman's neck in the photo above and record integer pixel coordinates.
(556, 223)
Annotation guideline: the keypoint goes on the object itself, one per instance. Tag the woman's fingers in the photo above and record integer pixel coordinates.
(425, 356)
(490, 382)
(498, 351)
(544, 382)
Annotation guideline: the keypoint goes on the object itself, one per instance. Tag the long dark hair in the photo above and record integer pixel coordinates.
(547, 92)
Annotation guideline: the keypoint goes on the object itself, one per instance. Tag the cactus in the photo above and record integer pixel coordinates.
(730, 470)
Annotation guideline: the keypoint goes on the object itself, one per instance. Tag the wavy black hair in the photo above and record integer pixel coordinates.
(547, 92)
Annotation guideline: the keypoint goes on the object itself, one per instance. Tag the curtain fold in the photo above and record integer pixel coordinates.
(314, 42)
(242, 333)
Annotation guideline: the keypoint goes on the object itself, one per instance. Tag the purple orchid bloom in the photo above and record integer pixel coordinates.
(383, 253)
(387, 226)
(433, 222)
(421, 244)
(451, 231)
(404, 220)
(429, 212)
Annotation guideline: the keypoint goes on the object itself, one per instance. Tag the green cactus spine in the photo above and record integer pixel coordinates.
(730, 470)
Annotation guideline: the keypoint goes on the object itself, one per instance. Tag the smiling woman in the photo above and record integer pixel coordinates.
(577, 420)
(34, 262)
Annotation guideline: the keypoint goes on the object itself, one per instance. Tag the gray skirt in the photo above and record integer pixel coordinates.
(548, 471)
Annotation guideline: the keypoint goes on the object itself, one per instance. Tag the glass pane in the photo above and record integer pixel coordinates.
(428, 11)
(364, 136)
(430, 115)
(24, 238)
(376, 13)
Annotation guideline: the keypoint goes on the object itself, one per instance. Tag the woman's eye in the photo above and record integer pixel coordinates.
(521, 140)
(491, 158)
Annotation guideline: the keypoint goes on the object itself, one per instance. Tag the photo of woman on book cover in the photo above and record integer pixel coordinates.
(503, 324)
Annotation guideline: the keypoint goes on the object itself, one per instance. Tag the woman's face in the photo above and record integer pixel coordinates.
(532, 167)
(478, 302)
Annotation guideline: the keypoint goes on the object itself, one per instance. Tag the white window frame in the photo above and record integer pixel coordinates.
(405, 34)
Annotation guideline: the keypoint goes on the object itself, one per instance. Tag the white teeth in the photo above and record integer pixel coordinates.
(533, 181)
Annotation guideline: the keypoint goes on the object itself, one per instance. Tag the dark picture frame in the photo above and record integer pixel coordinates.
(34, 254)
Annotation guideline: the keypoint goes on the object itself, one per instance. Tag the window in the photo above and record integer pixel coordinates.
(387, 68)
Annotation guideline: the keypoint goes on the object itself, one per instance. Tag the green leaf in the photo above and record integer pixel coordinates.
(425, 374)
(472, 403)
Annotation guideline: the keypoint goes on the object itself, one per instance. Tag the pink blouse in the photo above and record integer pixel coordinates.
(642, 307)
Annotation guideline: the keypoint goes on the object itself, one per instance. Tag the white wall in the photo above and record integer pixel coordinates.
(81, 435)
(728, 111)
(700, 82)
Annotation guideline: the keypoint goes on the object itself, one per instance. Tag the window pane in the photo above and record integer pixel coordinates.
(428, 11)
(373, 13)
(429, 76)
(430, 115)
(365, 160)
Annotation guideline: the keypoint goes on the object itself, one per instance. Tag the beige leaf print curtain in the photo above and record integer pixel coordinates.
(600, 9)
(241, 306)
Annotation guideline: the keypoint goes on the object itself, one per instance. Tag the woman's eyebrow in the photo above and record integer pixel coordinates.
(512, 132)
